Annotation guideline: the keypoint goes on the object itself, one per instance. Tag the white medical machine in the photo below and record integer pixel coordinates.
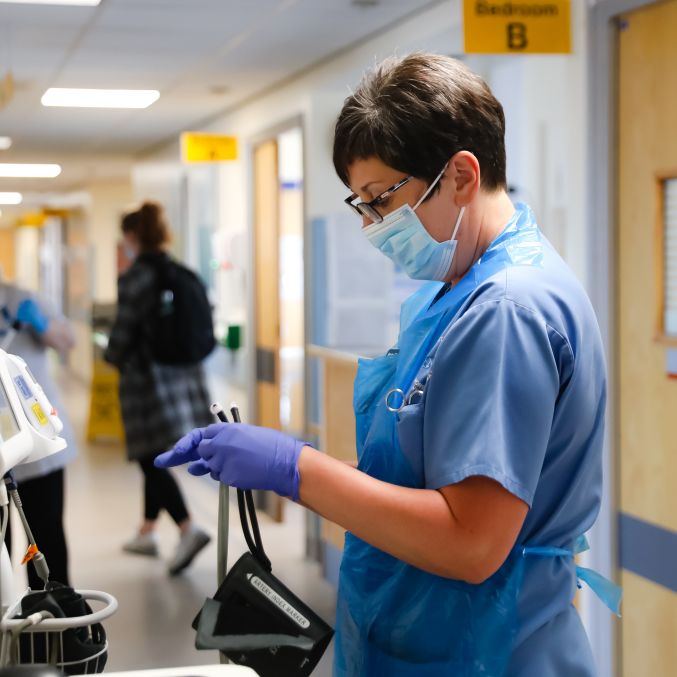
(29, 431)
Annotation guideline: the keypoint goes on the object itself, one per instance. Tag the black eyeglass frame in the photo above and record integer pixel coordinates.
(368, 209)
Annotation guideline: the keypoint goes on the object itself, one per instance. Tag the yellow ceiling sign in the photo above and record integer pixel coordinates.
(199, 147)
(31, 220)
(514, 27)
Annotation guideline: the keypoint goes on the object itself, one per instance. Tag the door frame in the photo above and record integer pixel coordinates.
(601, 271)
(250, 335)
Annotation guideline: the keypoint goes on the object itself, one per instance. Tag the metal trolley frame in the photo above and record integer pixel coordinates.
(43, 636)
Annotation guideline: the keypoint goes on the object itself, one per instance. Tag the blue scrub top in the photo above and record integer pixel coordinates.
(517, 392)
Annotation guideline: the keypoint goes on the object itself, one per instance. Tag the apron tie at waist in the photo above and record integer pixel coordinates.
(608, 592)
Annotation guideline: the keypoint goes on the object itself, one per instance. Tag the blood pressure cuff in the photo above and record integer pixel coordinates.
(82, 649)
(255, 620)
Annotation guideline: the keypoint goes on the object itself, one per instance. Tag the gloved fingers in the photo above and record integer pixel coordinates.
(213, 473)
(219, 466)
(172, 458)
(211, 431)
(207, 449)
(209, 446)
(184, 450)
(199, 467)
(189, 441)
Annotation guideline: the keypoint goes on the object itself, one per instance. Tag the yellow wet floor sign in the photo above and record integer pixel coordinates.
(105, 419)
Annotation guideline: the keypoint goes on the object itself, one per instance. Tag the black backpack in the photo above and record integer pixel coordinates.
(181, 331)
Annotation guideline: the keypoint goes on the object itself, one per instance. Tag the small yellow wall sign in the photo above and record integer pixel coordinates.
(200, 147)
(517, 27)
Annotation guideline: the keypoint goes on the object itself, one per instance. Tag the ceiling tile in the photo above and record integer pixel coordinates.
(184, 48)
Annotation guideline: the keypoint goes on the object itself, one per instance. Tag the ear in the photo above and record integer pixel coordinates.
(464, 172)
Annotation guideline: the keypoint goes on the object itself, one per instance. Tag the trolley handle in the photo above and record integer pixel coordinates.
(60, 624)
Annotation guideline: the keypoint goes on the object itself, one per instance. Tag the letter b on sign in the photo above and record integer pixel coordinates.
(517, 36)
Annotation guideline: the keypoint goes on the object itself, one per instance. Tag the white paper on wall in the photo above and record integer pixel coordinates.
(291, 268)
(359, 287)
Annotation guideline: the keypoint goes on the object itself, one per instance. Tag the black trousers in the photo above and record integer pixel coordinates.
(43, 501)
(160, 490)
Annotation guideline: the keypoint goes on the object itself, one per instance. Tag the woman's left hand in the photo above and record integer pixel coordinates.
(240, 455)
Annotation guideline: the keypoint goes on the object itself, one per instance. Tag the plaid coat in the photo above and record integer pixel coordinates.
(159, 403)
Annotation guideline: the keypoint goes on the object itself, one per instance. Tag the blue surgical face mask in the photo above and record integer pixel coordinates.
(403, 238)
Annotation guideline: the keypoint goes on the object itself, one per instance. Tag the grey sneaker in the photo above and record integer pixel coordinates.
(189, 546)
(142, 544)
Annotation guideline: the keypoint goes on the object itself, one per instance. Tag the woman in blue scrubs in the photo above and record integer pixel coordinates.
(479, 434)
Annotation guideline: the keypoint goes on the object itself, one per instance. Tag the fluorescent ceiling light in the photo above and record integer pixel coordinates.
(10, 198)
(28, 171)
(5, 142)
(100, 98)
(82, 3)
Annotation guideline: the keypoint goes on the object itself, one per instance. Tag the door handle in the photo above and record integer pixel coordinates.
(266, 365)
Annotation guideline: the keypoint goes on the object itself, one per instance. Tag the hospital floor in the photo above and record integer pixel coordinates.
(151, 628)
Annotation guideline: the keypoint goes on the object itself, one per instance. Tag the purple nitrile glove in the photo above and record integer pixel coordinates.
(240, 455)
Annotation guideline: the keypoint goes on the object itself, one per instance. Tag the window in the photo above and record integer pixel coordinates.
(670, 258)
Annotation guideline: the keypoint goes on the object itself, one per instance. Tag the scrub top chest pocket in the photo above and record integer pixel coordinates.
(410, 419)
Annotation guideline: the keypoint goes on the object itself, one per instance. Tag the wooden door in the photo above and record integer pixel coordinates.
(7, 254)
(267, 295)
(647, 429)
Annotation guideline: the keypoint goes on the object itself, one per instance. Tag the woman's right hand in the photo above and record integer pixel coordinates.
(240, 455)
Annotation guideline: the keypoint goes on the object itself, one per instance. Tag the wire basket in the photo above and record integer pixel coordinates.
(76, 645)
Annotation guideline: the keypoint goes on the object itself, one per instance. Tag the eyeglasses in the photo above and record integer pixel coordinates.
(368, 209)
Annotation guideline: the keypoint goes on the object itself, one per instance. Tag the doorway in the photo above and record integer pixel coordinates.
(279, 287)
(646, 330)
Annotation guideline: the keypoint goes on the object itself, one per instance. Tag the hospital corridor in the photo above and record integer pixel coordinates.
(338, 338)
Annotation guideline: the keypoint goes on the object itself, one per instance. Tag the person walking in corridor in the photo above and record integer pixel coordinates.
(160, 400)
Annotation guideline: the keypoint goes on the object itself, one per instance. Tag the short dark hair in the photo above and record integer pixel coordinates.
(149, 226)
(415, 112)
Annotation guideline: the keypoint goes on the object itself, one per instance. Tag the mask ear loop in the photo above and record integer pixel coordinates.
(430, 187)
(458, 223)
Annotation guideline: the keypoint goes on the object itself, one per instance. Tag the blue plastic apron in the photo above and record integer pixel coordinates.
(393, 618)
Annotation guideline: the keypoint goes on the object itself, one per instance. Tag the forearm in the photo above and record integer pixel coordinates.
(122, 337)
(59, 335)
(113, 354)
(417, 526)
(463, 530)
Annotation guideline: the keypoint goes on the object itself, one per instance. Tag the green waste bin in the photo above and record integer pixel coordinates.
(233, 338)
